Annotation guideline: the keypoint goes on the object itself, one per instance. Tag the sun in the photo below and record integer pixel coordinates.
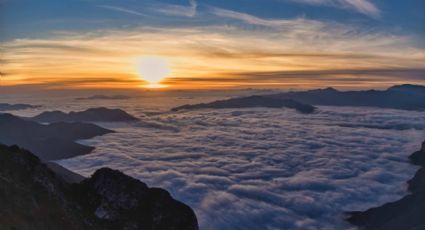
(153, 70)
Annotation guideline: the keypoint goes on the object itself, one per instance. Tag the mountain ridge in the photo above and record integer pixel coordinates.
(33, 197)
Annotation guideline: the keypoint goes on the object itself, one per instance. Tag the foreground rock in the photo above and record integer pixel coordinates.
(33, 197)
(90, 115)
(10, 107)
(407, 97)
(49, 142)
(407, 213)
(251, 102)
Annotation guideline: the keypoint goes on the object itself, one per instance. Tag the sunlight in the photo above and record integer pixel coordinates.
(153, 69)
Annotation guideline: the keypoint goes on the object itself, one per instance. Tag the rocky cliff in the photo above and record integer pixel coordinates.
(34, 197)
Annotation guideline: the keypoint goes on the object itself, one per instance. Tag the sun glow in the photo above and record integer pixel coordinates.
(153, 70)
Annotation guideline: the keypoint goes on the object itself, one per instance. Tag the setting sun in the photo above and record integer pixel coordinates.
(153, 70)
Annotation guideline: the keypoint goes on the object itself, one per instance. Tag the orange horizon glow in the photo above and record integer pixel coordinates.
(199, 59)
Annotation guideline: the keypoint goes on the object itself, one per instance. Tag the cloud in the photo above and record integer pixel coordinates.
(365, 7)
(178, 10)
(122, 10)
(223, 52)
(247, 18)
(265, 168)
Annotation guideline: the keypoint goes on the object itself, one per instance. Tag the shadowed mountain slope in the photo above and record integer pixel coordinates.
(407, 97)
(251, 102)
(33, 197)
(90, 115)
(10, 107)
(49, 142)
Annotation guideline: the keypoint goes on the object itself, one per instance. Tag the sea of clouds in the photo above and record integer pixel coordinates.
(255, 168)
(266, 168)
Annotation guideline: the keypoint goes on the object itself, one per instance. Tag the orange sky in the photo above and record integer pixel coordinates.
(310, 54)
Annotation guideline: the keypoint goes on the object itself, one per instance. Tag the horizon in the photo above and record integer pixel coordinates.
(210, 45)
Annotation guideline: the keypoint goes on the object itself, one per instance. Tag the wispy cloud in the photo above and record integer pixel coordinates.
(247, 18)
(178, 10)
(292, 51)
(122, 10)
(362, 6)
(271, 53)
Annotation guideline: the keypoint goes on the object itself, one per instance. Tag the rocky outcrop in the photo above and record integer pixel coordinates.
(121, 201)
(251, 102)
(33, 197)
(90, 115)
(49, 142)
(406, 213)
(407, 97)
(10, 107)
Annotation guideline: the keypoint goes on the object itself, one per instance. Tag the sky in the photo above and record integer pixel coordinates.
(88, 44)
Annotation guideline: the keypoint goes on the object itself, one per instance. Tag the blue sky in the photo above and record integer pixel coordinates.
(215, 43)
(33, 18)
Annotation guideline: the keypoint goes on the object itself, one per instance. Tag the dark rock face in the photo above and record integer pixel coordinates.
(49, 142)
(418, 158)
(407, 97)
(406, 214)
(120, 201)
(90, 115)
(33, 197)
(250, 102)
(9, 107)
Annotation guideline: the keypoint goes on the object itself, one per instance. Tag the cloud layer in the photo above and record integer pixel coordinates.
(266, 168)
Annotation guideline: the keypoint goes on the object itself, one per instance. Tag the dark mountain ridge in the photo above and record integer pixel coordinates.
(406, 97)
(100, 114)
(10, 107)
(32, 197)
(251, 102)
(49, 142)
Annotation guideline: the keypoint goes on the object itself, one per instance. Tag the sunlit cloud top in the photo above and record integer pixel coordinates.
(270, 43)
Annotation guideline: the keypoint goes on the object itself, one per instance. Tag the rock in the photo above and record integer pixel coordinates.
(418, 157)
(90, 115)
(49, 142)
(111, 195)
(67, 175)
(406, 213)
(33, 197)
(251, 102)
(417, 183)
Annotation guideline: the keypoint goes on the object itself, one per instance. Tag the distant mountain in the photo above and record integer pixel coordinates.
(407, 97)
(10, 107)
(104, 97)
(250, 102)
(49, 142)
(90, 115)
(33, 197)
(406, 213)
